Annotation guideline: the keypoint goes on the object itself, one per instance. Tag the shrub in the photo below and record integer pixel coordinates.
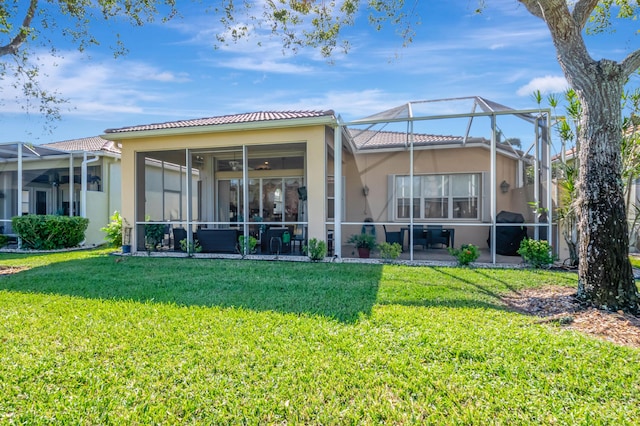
(363, 240)
(536, 253)
(48, 232)
(153, 235)
(316, 250)
(389, 250)
(253, 242)
(190, 248)
(113, 230)
(466, 254)
(4, 240)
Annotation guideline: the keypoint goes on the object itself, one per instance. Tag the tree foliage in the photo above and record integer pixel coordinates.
(29, 27)
(313, 23)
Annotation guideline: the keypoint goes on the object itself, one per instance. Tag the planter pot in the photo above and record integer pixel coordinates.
(126, 249)
(364, 252)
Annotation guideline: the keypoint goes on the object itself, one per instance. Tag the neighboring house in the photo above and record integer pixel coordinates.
(277, 169)
(631, 190)
(77, 178)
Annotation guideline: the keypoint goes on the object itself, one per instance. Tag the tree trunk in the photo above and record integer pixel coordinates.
(605, 273)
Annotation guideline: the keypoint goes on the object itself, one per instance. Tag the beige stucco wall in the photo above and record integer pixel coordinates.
(98, 214)
(113, 183)
(373, 171)
(312, 136)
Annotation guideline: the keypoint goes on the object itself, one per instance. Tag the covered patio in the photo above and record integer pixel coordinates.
(428, 174)
(438, 173)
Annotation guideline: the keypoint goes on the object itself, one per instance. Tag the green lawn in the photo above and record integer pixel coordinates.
(85, 339)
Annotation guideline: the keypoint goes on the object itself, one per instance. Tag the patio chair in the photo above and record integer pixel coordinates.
(392, 236)
(436, 235)
(420, 236)
(179, 234)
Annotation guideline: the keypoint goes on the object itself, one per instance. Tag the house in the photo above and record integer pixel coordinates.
(76, 178)
(263, 171)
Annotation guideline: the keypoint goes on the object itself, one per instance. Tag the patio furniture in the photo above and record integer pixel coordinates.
(298, 238)
(436, 235)
(218, 240)
(275, 242)
(420, 236)
(179, 234)
(299, 241)
(392, 236)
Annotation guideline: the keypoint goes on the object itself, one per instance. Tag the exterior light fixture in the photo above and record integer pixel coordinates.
(504, 186)
(365, 190)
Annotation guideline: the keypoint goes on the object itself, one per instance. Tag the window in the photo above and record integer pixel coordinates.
(454, 196)
(331, 198)
(25, 202)
(270, 199)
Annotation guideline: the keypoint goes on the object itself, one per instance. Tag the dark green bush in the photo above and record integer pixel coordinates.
(154, 234)
(48, 232)
(316, 250)
(537, 254)
(466, 254)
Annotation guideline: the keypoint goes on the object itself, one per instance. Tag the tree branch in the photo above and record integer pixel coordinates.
(631, 63)
(534, 8)
(582, 10)
(12, 47)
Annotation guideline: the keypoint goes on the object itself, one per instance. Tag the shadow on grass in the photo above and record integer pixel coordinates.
(446, 287)
(340, 291)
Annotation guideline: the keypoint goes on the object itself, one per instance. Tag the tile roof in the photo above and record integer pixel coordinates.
(92, 144)
(371, 139)
(250, 117)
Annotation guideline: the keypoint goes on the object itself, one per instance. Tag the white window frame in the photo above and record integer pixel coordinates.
(330, 209)
(449, 196)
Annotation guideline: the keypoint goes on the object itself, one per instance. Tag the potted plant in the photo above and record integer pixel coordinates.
(251, 243)
(364, 243)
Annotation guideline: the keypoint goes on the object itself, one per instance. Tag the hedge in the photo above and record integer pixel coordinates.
(48, 232)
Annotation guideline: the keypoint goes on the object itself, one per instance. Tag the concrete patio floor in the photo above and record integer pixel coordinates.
(438, 255)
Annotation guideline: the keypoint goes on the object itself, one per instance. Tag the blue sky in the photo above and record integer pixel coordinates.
(172, 70)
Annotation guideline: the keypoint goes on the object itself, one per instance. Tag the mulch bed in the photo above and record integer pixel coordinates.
(559, 305)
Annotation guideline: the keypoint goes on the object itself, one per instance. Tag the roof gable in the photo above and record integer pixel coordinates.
(92, 144)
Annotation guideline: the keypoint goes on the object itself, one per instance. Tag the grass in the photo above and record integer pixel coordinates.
(88, 340)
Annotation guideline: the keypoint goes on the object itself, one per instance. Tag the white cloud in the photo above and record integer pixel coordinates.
(263, 65)
(546, 84)
(351, 104)
(95, 87)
